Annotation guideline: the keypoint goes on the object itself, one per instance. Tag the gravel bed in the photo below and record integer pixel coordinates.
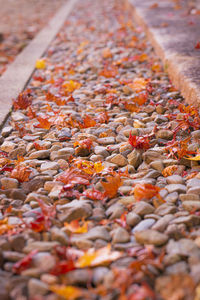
(100, 174)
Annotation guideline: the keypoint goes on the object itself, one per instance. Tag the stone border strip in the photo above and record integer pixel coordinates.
(15, 78)
(181, 62)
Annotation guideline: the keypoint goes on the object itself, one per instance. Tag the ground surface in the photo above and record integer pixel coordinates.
(174, 30)
(20, 20)
(100, 171)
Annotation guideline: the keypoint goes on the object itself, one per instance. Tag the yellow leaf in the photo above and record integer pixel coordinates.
(74, 226)
(195, 158)
(93, 258)
(40, 64)
(67, 292)
(98, 167)
(71, 86)
(138, 84)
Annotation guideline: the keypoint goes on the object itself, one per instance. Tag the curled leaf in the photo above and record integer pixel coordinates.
(67, 292)
(111, 185)
(139, 142)
(98, 257)
(146, 191)
(75, 227)
(21, 173)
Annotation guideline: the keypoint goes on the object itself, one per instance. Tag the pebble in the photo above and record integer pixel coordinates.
(120, 236)
(37, 287)
(132, 219)
(142, 208)
(9, 183)
(134, 158)
(179, 188)
(41, 154)
(175, 179)
(151, 237)
(119, 160)
(143, 225)
(8, 146)
(75, 210)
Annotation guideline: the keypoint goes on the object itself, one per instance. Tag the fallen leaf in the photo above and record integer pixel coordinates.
(146, 191)
(111, 185)
(21, 173)
(43, 122)
(23, 101)
(170, 170)
(75, 227)
(93, 257)
(194, 158)
(24, 263)
(73, 176)
(67, 292)
(94, 194)
(40, 64)
(139, 142)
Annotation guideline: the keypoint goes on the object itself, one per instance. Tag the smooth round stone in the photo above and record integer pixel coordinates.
(48, 166)
(143, 225)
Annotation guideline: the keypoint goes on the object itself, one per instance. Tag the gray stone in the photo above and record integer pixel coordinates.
(8, 146)
(157, 165)
(164, 134)
(132, 219)
(143, 225)
(166, 209)
(44, 261)
(119, 160)
(151, 237)
(75, 209)
(115, 211)
(98, 232)
(142, 208)
(120, 236)
(106, 140)
(60, 236)
(183, 247)
(191, 205)
(134, 158)
(179, 188)
(49, 166)
(41, 154)
(40, 246)
(175, 179)
(9, 183)
(162, 223)
(189, 197)
(37, 287)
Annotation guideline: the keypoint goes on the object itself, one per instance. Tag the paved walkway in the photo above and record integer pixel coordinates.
(20, 21)
(100, 171)
(173, 28)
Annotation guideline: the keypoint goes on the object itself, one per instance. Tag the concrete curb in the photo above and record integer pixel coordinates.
(14, 80)
(181, 68)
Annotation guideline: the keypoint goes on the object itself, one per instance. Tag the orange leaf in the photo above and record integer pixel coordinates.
(22, 101)
(112, 185)
(21, 173)
(67, 292)
(4, 226)
(107, 53)
(88, 122)
(146, 191)
(43, 123)
(138, 84)
(170, 170)
(75, 227)
(71, 86)
(101, 256)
